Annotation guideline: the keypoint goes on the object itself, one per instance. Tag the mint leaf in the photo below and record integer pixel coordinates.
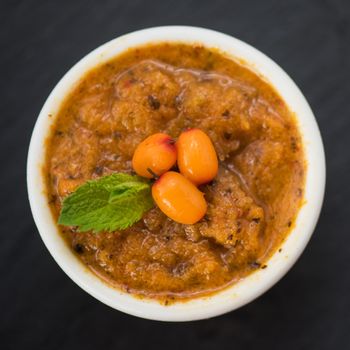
(113, 202)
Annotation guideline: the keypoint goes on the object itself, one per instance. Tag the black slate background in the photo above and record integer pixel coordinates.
(41, 308)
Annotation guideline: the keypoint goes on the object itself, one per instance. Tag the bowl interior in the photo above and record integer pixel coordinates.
(253, 285)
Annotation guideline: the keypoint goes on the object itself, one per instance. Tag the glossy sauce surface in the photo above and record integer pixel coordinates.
(252, 202)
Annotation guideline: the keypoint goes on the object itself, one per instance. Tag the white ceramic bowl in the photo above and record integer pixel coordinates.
(252, 286)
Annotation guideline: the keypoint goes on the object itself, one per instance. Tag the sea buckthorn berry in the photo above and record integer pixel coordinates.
(154, 156)
(196, 156)
(179, 198)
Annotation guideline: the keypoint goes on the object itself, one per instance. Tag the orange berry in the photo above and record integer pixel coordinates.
(154, 156)
(178, 198)
(197, 159)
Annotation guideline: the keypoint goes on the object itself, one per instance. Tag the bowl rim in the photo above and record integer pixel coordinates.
(251, 286)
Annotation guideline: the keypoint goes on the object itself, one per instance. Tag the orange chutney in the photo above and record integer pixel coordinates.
(252, 202)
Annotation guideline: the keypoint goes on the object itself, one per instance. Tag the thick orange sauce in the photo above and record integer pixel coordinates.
(252, 203)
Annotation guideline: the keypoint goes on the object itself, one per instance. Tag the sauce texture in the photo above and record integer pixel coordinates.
(252, 203)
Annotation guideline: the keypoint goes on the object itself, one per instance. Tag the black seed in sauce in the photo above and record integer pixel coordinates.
(130, 82)
(256, 220)
(212, 183)
(255, 265)
(153, 102)
(227, 136)
(289, 224)
(226, 114)
(209, 66)
(263, 267)
(59, 133)
(98, 170)
(205, 218)
(78, 248)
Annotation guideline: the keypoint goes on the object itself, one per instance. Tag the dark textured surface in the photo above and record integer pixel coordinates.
(41, 308)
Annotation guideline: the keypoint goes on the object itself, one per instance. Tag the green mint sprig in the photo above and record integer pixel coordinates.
(113, 202)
